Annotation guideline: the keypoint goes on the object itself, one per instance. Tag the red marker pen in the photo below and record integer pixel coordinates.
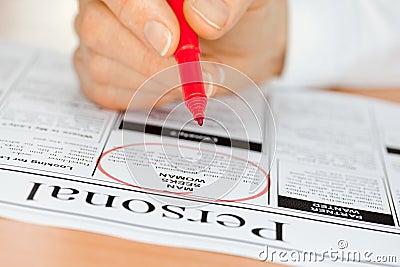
(191, 75)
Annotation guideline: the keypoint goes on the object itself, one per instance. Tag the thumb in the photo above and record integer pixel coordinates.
(211, 19)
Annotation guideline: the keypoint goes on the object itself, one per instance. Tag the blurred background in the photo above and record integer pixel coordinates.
(44, 23)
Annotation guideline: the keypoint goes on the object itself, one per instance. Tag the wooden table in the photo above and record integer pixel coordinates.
(49, 24)
(23, 244)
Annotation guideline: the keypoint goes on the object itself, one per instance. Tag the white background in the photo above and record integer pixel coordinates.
(43, 23)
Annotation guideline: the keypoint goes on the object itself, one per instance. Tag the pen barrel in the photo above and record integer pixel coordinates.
(191, 74)
(188, 38)
(187, 55)
(188, 50)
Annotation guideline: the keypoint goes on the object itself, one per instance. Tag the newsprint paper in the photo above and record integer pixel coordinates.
(331, 195)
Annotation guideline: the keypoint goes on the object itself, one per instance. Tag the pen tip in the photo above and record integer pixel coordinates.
(199, 121)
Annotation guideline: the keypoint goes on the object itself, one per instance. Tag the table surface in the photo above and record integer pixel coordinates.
(50, 25)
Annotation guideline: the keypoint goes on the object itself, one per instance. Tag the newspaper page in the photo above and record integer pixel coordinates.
(331, 195)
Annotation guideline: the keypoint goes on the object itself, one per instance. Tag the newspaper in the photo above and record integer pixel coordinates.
(331, 195)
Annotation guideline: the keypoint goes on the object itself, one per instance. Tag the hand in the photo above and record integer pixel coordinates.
(124, 42)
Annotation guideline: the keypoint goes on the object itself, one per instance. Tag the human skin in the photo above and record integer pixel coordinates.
(124, 42)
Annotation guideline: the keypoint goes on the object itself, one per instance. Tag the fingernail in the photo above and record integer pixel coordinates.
(158, 36)
(214, 12)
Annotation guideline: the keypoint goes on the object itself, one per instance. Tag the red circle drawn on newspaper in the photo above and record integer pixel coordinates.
(186, 194)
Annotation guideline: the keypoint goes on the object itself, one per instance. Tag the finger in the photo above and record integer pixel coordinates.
(152, 21)
(107, 71)
(212, 19)
(104, 95)
(102, 32)
(78, 18)
(119, 96)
